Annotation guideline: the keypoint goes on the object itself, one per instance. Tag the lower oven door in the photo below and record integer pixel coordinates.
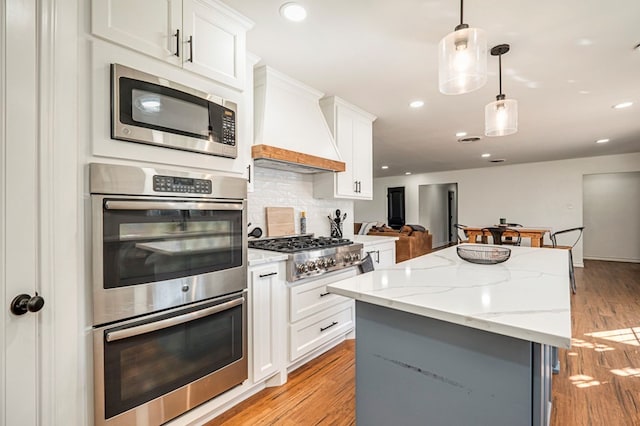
(152, 369)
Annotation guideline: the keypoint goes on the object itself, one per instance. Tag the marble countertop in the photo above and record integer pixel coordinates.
(526, 297)
(372, 239)
(260, 257)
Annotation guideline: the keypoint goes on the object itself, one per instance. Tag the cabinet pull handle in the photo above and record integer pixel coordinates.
(249, 168)
(355, 184)
(190, 48)
(325, 294)
(377, 252)
(329, 326)
(268, 275)
(177, 34)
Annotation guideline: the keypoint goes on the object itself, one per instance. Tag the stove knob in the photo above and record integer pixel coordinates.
(311, 265)
(301, 267)
(356, 256)
(347, 257)
(319, 263)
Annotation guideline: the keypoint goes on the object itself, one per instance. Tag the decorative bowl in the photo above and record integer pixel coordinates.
(483, 254)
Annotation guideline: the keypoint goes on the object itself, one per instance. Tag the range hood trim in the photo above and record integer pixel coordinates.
(280, 158)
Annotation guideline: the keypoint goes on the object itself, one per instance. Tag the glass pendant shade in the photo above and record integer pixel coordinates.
(462, 61)
(501, 117)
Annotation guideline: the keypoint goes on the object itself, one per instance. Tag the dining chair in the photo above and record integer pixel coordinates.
(497, 235)
(575, 233)
(508, 240)
(461, 227)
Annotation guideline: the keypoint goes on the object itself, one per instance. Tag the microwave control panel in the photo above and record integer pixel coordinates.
(178, 184)
(228, 127)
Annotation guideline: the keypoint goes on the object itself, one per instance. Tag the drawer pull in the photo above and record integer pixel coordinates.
(325, 294)
(268, 275)
(329, 326)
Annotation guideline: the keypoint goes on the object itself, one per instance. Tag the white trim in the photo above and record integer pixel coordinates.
(3, 242)
(611, 259)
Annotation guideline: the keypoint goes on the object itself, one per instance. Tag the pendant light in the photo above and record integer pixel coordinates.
(462, 59)
(501, 116)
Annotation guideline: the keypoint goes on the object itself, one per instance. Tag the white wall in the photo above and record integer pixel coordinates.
(534, 194)
(277, 188)
(612, 216)
(433, 210)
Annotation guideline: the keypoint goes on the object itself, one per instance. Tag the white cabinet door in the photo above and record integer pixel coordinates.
(352, 129)
(363, 157)
(345, 120)
(149, 26)
(268, 319)
(214, 44)
(382, 254)
(203, 36)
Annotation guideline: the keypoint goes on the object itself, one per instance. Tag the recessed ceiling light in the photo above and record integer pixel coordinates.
(407, 173)
(584, 92)
(416, 104)
(622, 105)
(385, 167)
(461, 134)
(293, 12)
(486, 155)
(605, 140)
(636, 47)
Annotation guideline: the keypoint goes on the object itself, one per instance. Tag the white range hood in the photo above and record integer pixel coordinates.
(291, 132)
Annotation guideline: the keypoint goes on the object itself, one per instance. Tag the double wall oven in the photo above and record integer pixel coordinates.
(169, 291)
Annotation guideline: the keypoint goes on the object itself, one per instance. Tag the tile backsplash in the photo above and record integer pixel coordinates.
(277, 188)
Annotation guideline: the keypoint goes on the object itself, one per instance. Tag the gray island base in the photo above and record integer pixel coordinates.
(415, 370)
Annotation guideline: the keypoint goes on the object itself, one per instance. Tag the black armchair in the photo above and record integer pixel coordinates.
(573, 236)
(498, 238)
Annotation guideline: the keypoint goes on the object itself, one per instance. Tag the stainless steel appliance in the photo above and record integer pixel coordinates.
(311, 256)
(152, 110)
(169, 285)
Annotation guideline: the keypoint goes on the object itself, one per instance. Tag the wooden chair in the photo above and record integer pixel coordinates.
(498, 239)
(554, 244)
(509, 240)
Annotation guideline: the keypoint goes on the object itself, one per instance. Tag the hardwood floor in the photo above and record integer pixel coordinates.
(598, 384)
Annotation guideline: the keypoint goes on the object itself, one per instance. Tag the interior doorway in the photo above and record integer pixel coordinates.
(395, 207)
(438, 211)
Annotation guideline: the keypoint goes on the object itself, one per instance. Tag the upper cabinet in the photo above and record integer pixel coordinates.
(203, 36)
(352, 129)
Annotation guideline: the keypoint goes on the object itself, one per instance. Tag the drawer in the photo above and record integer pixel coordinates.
(312, 332)
(312, 297)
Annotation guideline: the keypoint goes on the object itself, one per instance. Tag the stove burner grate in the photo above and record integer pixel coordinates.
(297, 244)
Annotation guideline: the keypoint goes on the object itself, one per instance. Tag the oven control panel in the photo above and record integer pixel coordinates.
(179, 184)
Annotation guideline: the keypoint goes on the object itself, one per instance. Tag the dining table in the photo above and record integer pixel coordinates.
(535, 234)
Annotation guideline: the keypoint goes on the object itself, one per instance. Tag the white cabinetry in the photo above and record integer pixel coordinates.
(203, 36)
(352, 129)
(268, 319)
(383, 254)
(316, 316)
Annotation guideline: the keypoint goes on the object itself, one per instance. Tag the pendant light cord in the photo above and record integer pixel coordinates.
(461, 11)
(500, 73)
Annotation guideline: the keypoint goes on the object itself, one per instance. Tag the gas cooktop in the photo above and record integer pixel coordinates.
(298, 243)
(311, 256)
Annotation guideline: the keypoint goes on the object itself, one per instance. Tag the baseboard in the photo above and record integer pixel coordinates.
(611, 259)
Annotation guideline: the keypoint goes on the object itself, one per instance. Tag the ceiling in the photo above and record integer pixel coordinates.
(570, 62)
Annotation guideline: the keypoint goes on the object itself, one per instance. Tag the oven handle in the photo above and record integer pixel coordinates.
(167, 205)
(170, 322)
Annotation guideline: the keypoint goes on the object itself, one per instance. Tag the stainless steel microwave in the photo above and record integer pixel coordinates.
(152, 110)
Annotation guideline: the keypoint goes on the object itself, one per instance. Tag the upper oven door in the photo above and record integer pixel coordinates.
(153, 254)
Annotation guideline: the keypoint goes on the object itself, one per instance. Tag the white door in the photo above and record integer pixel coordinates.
(18, 212)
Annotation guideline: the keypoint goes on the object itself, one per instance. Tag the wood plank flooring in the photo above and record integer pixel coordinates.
(598, 385)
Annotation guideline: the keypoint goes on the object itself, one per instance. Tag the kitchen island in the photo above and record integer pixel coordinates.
(441, 341)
